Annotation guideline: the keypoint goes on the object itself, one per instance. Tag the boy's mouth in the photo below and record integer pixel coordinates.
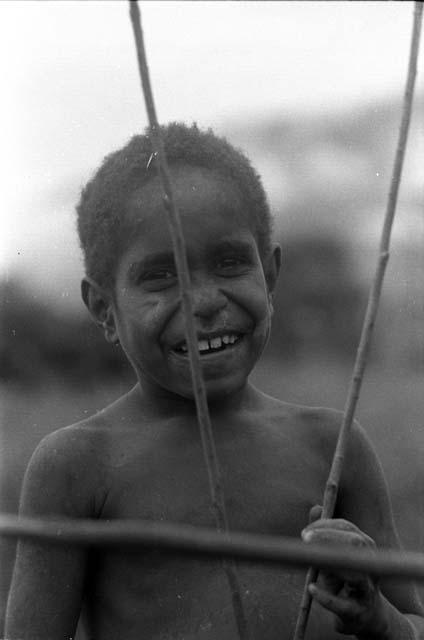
(210, 345)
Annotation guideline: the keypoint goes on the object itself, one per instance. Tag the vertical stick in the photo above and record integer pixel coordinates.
(332, 486)
(208, 444)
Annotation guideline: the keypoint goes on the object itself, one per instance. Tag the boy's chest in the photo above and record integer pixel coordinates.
(268, 489)
(269, 486)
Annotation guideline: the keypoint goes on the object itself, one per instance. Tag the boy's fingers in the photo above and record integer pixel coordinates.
(331, 582)
(315, 513)
(342, 607)
(354, 585)
(337, 536)
(350, 611)
(332, 523)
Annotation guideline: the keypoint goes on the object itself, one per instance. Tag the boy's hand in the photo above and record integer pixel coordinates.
(354, 598)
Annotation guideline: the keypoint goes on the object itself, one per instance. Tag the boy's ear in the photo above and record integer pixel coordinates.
(272, 267)
(99, 303)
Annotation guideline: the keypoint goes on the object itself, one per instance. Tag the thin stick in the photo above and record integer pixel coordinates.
(209, 543)
(209, 449)
(332, 486)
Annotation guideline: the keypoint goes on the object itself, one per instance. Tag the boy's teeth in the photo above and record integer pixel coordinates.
(213, 343)
(216, 343)
(203, 345)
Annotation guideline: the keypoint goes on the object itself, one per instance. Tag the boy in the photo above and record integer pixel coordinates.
(141, 457)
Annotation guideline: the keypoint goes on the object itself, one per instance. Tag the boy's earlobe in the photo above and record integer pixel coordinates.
(272, 268)
(99, 304)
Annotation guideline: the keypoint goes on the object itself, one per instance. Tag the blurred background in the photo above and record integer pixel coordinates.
(312, 92)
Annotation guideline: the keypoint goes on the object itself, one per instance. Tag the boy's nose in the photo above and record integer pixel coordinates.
(207, 301)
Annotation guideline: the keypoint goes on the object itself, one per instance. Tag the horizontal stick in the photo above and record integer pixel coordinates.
(210, 543)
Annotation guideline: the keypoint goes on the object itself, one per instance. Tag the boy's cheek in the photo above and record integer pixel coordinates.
(253, 296)
(148, 312)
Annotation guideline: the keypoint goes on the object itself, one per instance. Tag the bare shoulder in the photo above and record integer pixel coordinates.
(61, 482)
(320, 427)
(67, 473)
(316, 426)
(363, 494)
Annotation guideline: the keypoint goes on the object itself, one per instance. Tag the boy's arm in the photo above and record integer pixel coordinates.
(363, 606)
(47, 585)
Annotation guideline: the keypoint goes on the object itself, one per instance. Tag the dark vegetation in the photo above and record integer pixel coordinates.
(40, 341)
(318, 301)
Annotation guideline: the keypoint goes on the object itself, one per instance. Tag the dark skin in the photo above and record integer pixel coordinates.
(141, 458)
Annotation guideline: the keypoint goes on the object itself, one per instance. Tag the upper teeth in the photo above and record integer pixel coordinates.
(212, 343)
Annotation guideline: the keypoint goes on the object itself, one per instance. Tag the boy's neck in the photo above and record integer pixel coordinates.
(164, 403)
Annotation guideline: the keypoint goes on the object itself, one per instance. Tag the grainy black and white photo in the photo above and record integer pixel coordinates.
(212, 312)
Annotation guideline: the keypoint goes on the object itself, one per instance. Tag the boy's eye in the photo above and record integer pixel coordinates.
(232, 266)
(160, 274)
(159, 278)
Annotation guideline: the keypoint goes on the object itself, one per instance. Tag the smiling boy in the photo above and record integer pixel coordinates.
(141, 457)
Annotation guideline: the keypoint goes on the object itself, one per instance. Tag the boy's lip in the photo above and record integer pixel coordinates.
(211, 355)
(211, 342)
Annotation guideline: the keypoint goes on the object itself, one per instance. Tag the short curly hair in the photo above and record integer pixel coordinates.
(102, 223)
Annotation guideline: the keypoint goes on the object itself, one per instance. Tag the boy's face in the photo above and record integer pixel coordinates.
(231, 299)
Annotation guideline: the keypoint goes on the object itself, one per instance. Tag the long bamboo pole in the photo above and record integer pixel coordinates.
(332, 486)
(208, 444)
(206, 543)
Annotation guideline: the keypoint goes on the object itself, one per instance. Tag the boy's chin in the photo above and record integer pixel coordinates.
(218, 389)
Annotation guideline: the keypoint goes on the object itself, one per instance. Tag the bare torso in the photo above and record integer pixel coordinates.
(274, 468)
(136, 460)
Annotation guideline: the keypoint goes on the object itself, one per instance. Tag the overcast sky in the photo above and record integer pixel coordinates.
(70, 90)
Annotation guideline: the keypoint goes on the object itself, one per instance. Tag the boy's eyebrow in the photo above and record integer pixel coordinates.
(165, 257)
(235, 244)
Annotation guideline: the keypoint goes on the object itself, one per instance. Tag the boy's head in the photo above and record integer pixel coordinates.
(103, 224)
(132, 286)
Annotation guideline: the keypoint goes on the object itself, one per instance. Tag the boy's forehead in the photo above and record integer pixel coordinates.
(196, 190)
